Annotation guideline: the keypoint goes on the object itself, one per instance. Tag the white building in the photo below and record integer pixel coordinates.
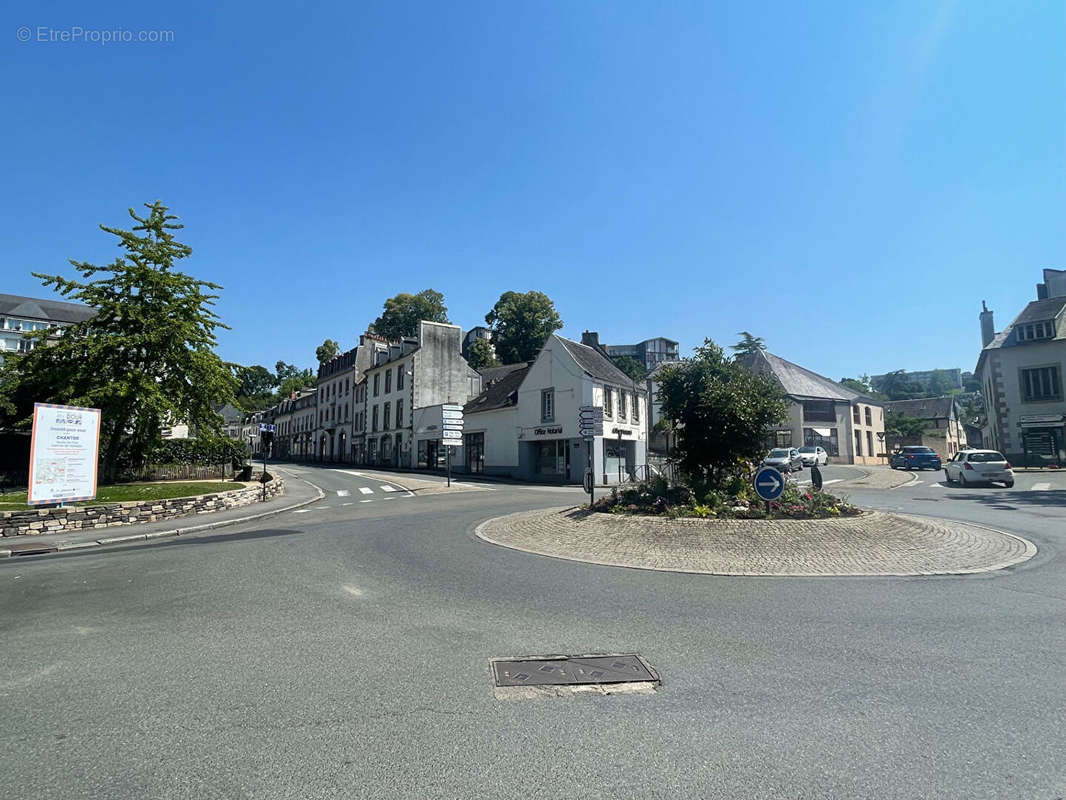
(418, 372)
(21, 315)
(337, 402)
(525, 424)
(1020, 369)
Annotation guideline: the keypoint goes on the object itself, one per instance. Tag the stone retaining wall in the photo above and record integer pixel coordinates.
(73, 518)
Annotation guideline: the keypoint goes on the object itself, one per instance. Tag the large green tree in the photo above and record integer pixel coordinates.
(748, 345)
(521, 323)
(632, 367)
(327, 350)
(403, 312)
(899, 426)
(146, 359)
(898, 385)
(481, 354)
(721, 413)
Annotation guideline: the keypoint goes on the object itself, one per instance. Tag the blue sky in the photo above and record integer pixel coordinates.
(846, 180)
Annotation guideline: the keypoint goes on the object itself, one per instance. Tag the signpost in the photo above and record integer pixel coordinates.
(266, 438)
(768, 485)
(590, 425)
(451, 434)
(64, 449)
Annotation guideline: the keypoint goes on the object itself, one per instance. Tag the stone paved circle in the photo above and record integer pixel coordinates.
(875, 543)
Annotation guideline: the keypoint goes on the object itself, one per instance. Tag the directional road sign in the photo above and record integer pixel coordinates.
(265, 427)
(769, 484)
(451, 413)
(446, 434)
(451, 407)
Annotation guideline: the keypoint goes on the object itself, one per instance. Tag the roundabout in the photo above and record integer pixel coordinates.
(875, 543)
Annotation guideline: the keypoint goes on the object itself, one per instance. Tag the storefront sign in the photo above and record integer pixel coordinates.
(554, 430)
(621, 431)
(1040, 419)
(63, 452)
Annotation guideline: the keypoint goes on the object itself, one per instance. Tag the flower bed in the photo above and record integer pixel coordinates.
(735, 500)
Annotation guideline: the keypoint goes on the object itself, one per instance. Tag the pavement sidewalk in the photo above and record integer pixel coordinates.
(298, 492)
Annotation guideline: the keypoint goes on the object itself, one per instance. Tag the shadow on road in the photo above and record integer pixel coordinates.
(1008, 499)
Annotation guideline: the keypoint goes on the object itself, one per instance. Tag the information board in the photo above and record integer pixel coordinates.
(63, 453)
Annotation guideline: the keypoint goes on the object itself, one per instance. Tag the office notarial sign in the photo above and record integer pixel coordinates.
(64, 448)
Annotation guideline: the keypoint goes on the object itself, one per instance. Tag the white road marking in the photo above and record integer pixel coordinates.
(343, 493)
(345, 504)
(388, 498)
(301, 511)
(1041, 487)
(835, 480)
(366, 490)
(386, 488)
(915, 483)
(354, 591)
(366, 501)
(349, 472)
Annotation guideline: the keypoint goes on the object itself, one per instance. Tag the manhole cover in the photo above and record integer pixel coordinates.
(572, 670)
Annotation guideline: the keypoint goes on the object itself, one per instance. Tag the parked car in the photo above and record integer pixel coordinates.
(784, 459)
(979, 466)
(814, 456)
(915, 457)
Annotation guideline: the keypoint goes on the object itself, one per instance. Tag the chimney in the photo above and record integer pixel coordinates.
(988, 327)
(591, 338)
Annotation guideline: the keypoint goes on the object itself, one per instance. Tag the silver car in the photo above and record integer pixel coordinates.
(784, 459)
(979, 466)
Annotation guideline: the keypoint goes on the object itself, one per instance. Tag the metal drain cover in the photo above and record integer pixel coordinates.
(571, 670)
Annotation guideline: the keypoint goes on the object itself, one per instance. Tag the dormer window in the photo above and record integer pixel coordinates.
(1034, 331)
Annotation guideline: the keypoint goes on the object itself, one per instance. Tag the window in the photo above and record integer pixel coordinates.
(346, 386)
(547, 405)
(1041, 384)
(1036, 330)
(388, 381)
(858, 444)
(854, 414)
(782, 439)
(869, 417)
(869, 442)
(374, 421)
(385, 417)
(399, 413)
(622, 410)
(826, 438)
(819, 411)
(399, 376)
(636, 407)
(608, 405)
(345, 411)
(377, 375)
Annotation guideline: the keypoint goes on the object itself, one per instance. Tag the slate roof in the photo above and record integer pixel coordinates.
(229, 412)
(1039, 310)
(595, 363)
(802, 383)
(501, 393)
(13, 305)
(490, 374)
(925, 408)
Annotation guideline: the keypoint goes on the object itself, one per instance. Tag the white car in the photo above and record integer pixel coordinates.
(814, 456)
(979, 466)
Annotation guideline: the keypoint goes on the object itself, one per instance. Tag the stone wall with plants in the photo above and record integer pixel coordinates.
(73, 518)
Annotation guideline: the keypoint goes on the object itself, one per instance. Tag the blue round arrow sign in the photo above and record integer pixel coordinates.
(769, 484)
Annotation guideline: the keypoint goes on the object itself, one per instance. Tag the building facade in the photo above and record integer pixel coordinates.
(1021, 375)
(822, 412)
(338, 402)
(418, 372)
(944, 430)
(651, 352)
(525, 424)
(22, 315)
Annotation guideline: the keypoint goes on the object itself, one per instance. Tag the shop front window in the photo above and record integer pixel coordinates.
(552, 457)
(826, 438)
(475, 452)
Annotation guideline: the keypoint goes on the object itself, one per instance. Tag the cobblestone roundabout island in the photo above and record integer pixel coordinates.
(874, 543)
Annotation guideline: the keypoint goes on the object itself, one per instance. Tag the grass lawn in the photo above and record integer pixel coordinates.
(123, 492)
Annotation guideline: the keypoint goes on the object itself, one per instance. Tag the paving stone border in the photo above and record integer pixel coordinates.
(73, 518)
(873, 544)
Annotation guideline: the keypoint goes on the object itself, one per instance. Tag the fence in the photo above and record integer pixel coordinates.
(179, 472)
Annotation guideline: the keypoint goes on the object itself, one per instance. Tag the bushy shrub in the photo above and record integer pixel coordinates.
(200, 451)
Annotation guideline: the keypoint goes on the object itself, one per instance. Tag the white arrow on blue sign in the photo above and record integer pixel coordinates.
(769, 484)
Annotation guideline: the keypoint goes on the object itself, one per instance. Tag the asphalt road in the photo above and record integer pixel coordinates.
(343, 652)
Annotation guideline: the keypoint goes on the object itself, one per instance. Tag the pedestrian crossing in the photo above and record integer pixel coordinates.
(387, 492)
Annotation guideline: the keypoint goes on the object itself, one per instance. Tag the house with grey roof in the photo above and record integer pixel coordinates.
(21, 315)
(1020, 369)
(524, 422)
(823, 413)
(944, 430)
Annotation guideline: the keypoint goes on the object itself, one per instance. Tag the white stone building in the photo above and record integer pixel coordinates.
(1021, 369)
(21, 315)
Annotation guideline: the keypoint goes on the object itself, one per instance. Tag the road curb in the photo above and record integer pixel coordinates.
(140, 537)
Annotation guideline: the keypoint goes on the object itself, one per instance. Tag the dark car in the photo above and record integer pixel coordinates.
(915, 457)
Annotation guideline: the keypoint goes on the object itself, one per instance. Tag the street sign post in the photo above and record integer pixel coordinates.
(451, 434)
(266, 439)
(590, 425)
(769, 484)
